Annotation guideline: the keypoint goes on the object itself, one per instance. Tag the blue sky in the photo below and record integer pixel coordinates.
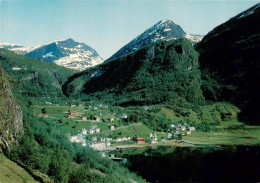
(107, 25)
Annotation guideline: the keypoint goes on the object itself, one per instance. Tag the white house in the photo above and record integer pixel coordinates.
(84, 144)
(94, 138)
(84, 117)
(97, 130)
(91, 131)
(16, 68)
(192, 128)
(123, 116)
(118, 139)
(75, 138)
(84, 131)
(112, 127)
(169, 135)
(153, 141)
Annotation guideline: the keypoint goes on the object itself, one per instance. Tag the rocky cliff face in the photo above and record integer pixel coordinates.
(11, 116)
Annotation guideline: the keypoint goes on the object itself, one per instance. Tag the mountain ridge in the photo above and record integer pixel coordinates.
(66, 52)
(163, 30)
(229, 61)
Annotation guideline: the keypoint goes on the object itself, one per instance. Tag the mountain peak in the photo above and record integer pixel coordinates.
(165, 21)
(67, 53)
(162, 30)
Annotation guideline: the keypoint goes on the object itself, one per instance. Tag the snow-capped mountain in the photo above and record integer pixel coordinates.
(163, 30)
(67, 53)
(194, 38)
(15, 48)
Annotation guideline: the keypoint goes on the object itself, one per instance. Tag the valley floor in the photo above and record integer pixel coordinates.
(219, 135)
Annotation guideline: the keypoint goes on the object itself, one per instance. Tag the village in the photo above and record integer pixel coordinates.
(105, 128)
(92, 137)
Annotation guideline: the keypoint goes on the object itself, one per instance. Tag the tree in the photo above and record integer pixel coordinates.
(60, 166)
(44, 111)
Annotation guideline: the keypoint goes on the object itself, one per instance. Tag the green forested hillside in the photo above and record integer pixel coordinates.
(164, 72)
(229, 60)
(42, 148)
(34, 78)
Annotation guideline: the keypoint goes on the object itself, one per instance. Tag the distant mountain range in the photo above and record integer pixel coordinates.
(15, 48)
(163, 30)
(74, 55)
(67, 53)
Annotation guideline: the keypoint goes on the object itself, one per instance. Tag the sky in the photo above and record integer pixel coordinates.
(107, 25)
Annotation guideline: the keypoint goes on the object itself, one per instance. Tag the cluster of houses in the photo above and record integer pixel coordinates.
(122, 139)
(93, 129)
(181, 129)
(79, 138)
(100, 145)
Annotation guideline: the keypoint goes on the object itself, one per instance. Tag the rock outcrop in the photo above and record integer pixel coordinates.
(11, 116)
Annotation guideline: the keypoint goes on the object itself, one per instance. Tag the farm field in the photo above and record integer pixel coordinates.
(249, 136)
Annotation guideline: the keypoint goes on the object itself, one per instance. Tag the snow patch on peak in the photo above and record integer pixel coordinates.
(194, 38)
(164, 20)
(168, 29)
(48, 55)
(9, 44)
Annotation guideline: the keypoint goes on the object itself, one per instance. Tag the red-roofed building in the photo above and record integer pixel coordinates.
(70, 116)
(140, 140)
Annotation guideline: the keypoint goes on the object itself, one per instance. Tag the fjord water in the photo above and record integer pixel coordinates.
(190, 164)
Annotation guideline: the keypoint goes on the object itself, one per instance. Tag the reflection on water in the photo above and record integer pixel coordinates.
(185, 164)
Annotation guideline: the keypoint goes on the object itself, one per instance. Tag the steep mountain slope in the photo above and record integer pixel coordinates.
(67, 53)
(163, 30)
(229, 59)
(11, 115)
(163, 72)
(32, 77)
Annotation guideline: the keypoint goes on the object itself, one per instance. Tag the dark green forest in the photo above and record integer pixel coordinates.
(161, 73)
